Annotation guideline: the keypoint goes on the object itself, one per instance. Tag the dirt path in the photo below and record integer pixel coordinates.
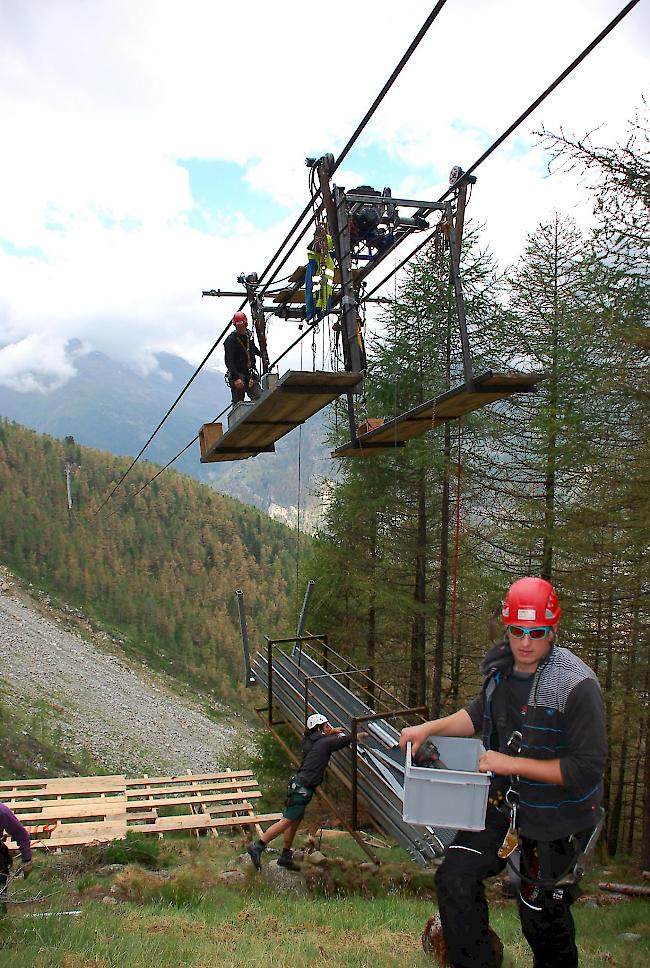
(127, 719)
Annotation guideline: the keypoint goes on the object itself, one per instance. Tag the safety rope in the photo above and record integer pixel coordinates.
(456, 553)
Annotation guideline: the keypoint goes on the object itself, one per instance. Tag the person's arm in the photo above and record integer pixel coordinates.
(13, 826)
(584, 726)
(338, 739)
(458, 724)
(544, 771)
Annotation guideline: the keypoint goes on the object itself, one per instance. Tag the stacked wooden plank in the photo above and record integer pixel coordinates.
(69, 811)
(77, 811)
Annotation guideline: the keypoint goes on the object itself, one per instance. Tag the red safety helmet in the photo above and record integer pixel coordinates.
(239, 318)
(531, 602)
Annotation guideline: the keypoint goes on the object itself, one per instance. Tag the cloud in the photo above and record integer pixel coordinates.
(102, 102)
(35, 363)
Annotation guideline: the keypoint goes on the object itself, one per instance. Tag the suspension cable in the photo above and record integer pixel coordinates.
(185, 388)
(360, 127)
(515, 124)
(486, 154)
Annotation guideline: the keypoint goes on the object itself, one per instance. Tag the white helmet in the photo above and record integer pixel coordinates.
(316, 719)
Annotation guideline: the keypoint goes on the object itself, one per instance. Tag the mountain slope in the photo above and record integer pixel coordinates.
(94, 699)
(164, 571)
(109, 406)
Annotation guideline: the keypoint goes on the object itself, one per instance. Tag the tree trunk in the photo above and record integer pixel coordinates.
(551, 442)
(645, 799)
(417, 678)
(617, 806)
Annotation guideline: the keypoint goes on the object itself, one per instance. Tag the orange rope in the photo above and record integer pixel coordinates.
(453, 600)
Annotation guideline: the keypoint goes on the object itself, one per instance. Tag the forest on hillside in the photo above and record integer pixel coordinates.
(420, 544)
(161, 572)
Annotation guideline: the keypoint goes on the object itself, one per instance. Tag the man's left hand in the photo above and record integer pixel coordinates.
(499, 763)
(26, 868)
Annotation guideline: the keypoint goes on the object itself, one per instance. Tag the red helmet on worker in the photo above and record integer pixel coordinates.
(239, 317)
(531, 602)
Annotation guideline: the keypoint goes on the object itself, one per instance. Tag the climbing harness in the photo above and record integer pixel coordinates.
(319, 275)
(583, 845)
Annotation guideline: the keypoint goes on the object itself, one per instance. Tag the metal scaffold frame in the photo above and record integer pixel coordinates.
(303, 673)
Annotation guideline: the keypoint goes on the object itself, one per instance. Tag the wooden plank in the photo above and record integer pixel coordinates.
(200, 821)
(88, 832)
(209, 434)
(218, 809)
(63, 812)
(184, 785)
(250, 811)
(185, 801)
(66, 784)
(103, 835)
(204, 789)
(197, 807)
(182, 778)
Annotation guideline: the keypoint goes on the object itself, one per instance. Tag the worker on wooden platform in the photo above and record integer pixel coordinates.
(240, 352)
(10, 824)
(318, 744)
(541, 716)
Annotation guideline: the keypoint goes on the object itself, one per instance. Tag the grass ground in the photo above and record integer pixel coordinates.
(177, 911)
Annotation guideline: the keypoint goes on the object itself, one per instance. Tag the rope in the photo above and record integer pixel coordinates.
(456, 555)
(299, 495)
(185, 388)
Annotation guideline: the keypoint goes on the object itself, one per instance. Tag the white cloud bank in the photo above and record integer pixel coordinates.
(99, 101)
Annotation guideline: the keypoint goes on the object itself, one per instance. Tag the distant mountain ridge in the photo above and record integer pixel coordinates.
(109, 406)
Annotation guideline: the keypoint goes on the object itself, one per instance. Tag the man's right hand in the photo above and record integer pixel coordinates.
(416, 735)
(238, 383)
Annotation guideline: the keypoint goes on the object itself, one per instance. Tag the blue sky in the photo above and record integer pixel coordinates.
(221, 192)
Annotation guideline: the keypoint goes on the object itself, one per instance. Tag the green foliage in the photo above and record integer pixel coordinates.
(553, 483)
(31, 743)
(191, 917)
(269, 763)
(134, 849)
(160, 571)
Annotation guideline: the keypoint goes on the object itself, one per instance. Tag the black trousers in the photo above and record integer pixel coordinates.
(254, 391)
(545, 913)
(5, 866)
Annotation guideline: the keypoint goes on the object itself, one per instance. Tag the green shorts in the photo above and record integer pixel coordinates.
(298, 797)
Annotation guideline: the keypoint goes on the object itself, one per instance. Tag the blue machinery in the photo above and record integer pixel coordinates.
(303, 674)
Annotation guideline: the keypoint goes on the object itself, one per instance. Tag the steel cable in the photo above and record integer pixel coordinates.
(515, 124)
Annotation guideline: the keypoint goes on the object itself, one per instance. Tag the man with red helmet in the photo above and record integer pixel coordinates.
(240, 352)
(541, 716)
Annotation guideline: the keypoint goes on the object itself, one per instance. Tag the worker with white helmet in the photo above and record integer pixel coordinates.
(319, 742)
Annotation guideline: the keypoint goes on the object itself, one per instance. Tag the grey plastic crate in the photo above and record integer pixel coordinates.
(455, 797)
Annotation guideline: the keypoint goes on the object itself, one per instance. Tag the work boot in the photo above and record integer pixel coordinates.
(286, 860)
(255, 851)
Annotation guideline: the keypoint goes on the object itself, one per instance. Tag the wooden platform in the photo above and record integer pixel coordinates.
(297, 396)
(488, 387)
(78, 811)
